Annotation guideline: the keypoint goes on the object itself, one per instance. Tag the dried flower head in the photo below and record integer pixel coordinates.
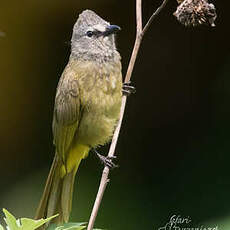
(195, 12)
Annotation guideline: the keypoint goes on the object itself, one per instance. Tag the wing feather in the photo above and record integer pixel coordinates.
(66, 111)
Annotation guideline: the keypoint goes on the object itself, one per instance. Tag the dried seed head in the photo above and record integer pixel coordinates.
(195, 12)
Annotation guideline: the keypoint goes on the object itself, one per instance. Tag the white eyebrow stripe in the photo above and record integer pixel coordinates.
(100, 27)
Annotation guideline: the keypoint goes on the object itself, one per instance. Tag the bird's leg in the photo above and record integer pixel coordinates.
(106, 160)
(127, 89)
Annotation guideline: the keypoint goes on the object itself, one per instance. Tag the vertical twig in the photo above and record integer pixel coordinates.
(154, 15)
(139, 35)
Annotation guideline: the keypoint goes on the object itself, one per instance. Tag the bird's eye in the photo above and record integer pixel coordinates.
(89, 33)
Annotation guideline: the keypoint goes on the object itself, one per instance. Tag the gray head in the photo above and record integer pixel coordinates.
(93, 38)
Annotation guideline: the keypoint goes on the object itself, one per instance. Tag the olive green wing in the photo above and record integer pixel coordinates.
(66, 111)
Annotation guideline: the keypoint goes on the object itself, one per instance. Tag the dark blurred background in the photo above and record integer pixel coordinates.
(174, 146)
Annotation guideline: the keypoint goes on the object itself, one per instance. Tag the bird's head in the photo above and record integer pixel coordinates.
(93, 37)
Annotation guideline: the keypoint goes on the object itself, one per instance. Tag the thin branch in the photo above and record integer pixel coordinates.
(139, 35)
(154, 15)
(137, 41)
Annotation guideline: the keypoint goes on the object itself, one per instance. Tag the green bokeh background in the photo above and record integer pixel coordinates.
(174, 145)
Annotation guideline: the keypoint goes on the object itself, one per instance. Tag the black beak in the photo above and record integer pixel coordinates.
(111, 29)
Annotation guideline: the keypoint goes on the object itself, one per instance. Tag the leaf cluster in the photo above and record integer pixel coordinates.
(29, 224)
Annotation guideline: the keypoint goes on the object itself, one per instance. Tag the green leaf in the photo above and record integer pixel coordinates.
(24, 223)
(10, 220)
(68, 226)
(76, 228)
(30, 224)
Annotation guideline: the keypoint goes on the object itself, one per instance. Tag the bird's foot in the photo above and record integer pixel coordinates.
(107, 161)
(127, 89)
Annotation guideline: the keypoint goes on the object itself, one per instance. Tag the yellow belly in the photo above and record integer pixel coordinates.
(100, 97)
(76, 154)
(99, 120)
(96, 128)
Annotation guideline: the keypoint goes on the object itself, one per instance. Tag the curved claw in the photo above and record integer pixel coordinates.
(107, 161)
(127, 89)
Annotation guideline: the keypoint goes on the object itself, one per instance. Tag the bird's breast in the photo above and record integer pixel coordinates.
(101, 93)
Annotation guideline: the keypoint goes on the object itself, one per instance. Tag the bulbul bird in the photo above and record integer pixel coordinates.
(86, 110)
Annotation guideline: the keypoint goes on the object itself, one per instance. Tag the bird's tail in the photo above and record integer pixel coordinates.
(58, 192)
